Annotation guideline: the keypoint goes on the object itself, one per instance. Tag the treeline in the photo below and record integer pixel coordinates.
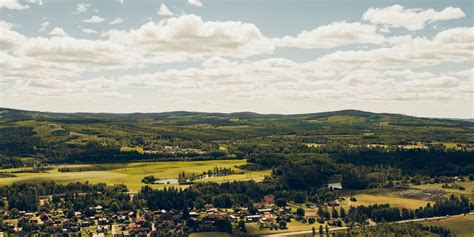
(362, 168)
(79, 196)
(315, 170)
(432, 162)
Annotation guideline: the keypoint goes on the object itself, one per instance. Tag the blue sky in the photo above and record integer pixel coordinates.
(274, 56)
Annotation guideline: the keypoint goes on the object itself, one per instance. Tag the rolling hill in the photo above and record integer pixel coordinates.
(41, 134)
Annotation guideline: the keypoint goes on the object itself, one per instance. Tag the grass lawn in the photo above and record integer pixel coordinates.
(460, 225)
(131, 174)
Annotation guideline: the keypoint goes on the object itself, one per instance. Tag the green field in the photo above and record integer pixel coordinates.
(131, 174)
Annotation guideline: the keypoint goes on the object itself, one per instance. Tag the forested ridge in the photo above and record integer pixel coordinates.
(94, 138)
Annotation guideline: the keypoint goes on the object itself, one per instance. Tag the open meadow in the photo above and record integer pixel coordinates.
(131, 174)
(468, 185)
(459, 225)
(384, 196)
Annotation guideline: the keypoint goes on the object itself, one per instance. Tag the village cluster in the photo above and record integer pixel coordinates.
(103, 222)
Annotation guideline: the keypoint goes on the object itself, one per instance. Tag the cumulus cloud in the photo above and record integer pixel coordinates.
(117, 21)
(196, 3)
(60, 56)
(57, 31)
(13, 5)
(411, 19)
(82, 7)
(164, 11)
(94, 19)
(452, 45)
(334, 35)
(10, 39)
(189, 35)
(77, 52)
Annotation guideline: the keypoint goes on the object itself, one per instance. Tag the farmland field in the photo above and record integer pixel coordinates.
(382, 196)
(131, 174)
(469, 188)
(459, 225)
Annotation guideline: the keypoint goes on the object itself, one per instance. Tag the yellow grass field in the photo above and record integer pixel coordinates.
(370, 199)
(459, 225)
(131, 174)
(383, 196)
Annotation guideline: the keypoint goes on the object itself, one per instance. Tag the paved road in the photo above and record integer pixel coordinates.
(305, 232)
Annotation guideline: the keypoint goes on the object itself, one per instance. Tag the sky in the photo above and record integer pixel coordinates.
(267, 56)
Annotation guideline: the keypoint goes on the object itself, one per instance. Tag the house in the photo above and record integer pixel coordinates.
(334, 185)
(269, 199)
(166, 215)
(214, 210)
(252, 218)
(268, 215)
(264, 210)
(243, 211)
(334, 181)
(333, 203)
(193, 214)
(266, 223)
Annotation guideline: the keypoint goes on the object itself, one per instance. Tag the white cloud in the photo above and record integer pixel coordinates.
(43, 26)
(13, 5)
(467, 74)
(164, 11)
(57, 31)
(37, 2)
(393, 68)
(412, 19)
(333, 35)
(78, 52)
(216, 61)
(82, 7)
(190, 36)
(9, 39)
(452, 45)
(196, 3)
(89, 31)
(94, 19)
(117, 21)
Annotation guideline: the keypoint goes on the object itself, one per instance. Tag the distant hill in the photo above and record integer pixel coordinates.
(30, 133)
